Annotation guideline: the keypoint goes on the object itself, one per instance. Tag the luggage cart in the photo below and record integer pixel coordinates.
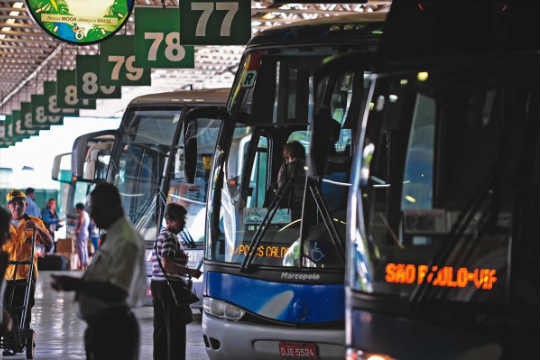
(22, 336)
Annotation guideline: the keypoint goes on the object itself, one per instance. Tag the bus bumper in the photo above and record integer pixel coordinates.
(240, 340)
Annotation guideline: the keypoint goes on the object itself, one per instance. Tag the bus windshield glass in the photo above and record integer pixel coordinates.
(259, 177)
(193, 195)
(145, 141)
(436, 186)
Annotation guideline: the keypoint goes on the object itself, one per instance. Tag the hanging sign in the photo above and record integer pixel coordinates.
(117, 63)
(39, 116)
(87, 79)
(80, 21)
(157, 39)
(52, 108)
(215, 22)
(27, 117)
(66, 91)
(5, 139)
(18, 130)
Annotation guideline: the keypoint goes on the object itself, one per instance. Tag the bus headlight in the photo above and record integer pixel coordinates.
(363, 355)
(222, 309)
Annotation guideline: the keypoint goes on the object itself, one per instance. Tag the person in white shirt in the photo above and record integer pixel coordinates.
(112, 284)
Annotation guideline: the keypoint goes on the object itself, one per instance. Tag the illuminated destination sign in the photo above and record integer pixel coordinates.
(80, 21)
(277, 252)
(444, 276)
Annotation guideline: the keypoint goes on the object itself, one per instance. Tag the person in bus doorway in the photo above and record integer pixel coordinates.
(169, 266)
(292, 170)
(82, 232)
(112, 284)
(19, 247)
(94, 237)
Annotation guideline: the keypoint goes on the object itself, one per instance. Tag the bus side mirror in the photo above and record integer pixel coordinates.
(91, 154)
(61, 169)
(190, 151)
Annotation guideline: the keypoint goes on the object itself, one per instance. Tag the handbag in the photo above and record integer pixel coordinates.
(181, 291)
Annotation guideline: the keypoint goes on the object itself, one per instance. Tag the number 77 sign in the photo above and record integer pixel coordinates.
(215, 22)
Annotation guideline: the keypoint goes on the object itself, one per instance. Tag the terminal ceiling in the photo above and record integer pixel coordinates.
(28, 56)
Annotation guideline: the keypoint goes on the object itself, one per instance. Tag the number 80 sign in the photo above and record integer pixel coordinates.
(215, 22)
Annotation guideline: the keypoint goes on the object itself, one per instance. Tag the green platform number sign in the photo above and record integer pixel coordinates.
(66, 90)
(27, 117)
(215, 22)
(52, 108)
(117, 63)
(88, 84)
(18, 127)
(157, 39)
(39, 116)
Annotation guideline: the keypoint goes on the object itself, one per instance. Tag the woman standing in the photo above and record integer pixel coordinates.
(169, 270)
(82, 235)
(50, 216)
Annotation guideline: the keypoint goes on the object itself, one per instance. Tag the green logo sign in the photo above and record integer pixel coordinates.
(157, 39)
(80, 21)
(88, 85)
(117, 63)
(215, 22)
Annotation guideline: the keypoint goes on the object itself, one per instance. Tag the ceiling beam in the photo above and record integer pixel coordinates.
(9, 9)
(17, 24)
(48, 40)
(38, 33)
(22, 16)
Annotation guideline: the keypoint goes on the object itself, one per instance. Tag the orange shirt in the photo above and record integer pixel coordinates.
(18, 247)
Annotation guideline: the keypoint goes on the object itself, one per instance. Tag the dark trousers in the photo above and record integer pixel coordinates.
(169, 324)
(112, 335)
(14, 301)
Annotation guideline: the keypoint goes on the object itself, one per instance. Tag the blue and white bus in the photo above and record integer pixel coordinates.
(442, 233)
(147, 163)
(274, 258)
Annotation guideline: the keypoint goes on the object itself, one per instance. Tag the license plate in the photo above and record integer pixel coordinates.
(298, 350)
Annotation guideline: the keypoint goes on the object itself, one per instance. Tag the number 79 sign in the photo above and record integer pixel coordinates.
(215, 22)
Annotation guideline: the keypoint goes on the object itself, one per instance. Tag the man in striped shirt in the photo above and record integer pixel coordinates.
(169, 256)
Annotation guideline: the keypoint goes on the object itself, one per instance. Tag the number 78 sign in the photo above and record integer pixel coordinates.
(215, 22)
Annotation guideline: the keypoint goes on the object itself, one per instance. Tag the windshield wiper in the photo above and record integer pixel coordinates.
(312, 186)
(267, 220)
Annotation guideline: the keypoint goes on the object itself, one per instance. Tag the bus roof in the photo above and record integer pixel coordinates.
(216, 97)
(333, 29)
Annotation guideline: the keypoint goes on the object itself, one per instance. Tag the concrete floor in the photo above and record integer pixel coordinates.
(59, 332)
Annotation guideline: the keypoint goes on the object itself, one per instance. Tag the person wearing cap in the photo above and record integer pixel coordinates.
(19, 247)
(32, 207)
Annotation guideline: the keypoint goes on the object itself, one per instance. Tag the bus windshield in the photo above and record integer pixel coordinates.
(193, 195)
(436, 195)
(259, 184)
(145, 141)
